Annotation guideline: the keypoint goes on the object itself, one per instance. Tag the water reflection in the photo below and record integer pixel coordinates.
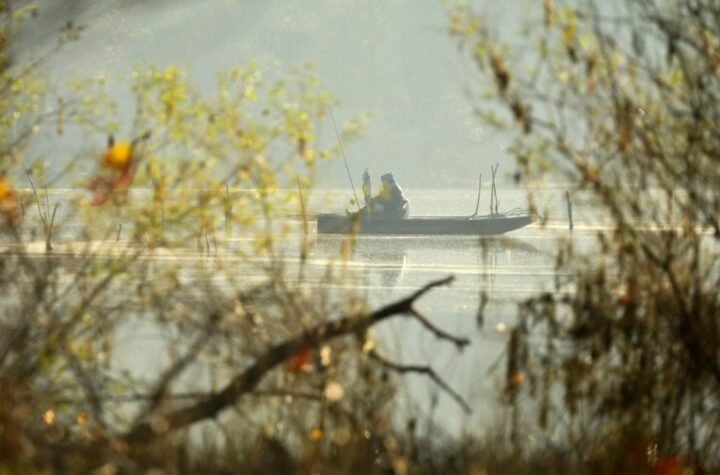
(381, 259)
(389, 261)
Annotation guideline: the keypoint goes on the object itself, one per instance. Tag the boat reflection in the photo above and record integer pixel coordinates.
(378, 247)
(385, 259)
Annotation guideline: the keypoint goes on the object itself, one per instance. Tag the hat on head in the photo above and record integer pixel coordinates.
(388, 178)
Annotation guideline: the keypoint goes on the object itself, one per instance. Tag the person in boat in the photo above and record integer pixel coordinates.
(390, 202)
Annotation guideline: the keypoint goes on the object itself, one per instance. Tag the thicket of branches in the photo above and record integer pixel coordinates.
(620, 99)
(619, 367)
(271, 373)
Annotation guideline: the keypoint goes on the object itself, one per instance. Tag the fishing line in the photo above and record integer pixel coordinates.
(342, 152)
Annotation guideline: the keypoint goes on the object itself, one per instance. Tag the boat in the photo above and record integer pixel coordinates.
(363, 222)
(498, 223)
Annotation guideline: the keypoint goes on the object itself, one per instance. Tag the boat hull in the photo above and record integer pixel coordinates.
(481, 225)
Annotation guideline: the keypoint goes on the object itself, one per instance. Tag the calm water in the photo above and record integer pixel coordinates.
(508, 269)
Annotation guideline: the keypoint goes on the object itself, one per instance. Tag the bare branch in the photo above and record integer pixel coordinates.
(427, 370)
(89, 388)
(246, 381)
(163, 384)
(438, 332)
(197, 395)
(425, 289)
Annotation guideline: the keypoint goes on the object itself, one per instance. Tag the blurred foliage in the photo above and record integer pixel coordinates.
(619, 101)
(169, 230)
(619, 366)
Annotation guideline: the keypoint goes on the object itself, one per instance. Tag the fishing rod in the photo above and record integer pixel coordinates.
(342, 152)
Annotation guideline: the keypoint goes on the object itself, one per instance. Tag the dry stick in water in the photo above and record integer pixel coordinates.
(569, 209)
(305, 233)
(37, 199)
(477, 203)
(162, 217)
(49, 224)
(48, 239)
(43, 217)
(493, 190)
(228, 211)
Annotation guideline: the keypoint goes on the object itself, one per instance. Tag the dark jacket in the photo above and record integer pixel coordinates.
(390, 202)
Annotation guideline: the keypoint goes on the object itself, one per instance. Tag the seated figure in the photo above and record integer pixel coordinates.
(390, 202)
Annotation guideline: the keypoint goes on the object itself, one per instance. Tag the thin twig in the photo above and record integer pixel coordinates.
(164, 382)
(37, 199)
(427, 370)
(438, 332)
(92, 394)
(51, 225)
(195, 395)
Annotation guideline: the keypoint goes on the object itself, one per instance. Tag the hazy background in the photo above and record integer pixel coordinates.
(391, 57)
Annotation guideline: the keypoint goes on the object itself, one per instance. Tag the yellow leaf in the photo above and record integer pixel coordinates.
(250, 92)
(49, 417)
(118, 156)
(569, 33)
(316, 434)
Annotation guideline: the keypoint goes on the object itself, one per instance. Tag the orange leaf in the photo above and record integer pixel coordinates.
(670, 466)
(115, 186)
(625, 300)
(8, 202)
(518, 378)
(301, 361)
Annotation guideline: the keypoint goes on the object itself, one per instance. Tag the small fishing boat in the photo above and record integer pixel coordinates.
(498, 223)
(365, 222)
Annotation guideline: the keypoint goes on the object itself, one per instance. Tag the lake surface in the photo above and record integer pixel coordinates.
(507, 269)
